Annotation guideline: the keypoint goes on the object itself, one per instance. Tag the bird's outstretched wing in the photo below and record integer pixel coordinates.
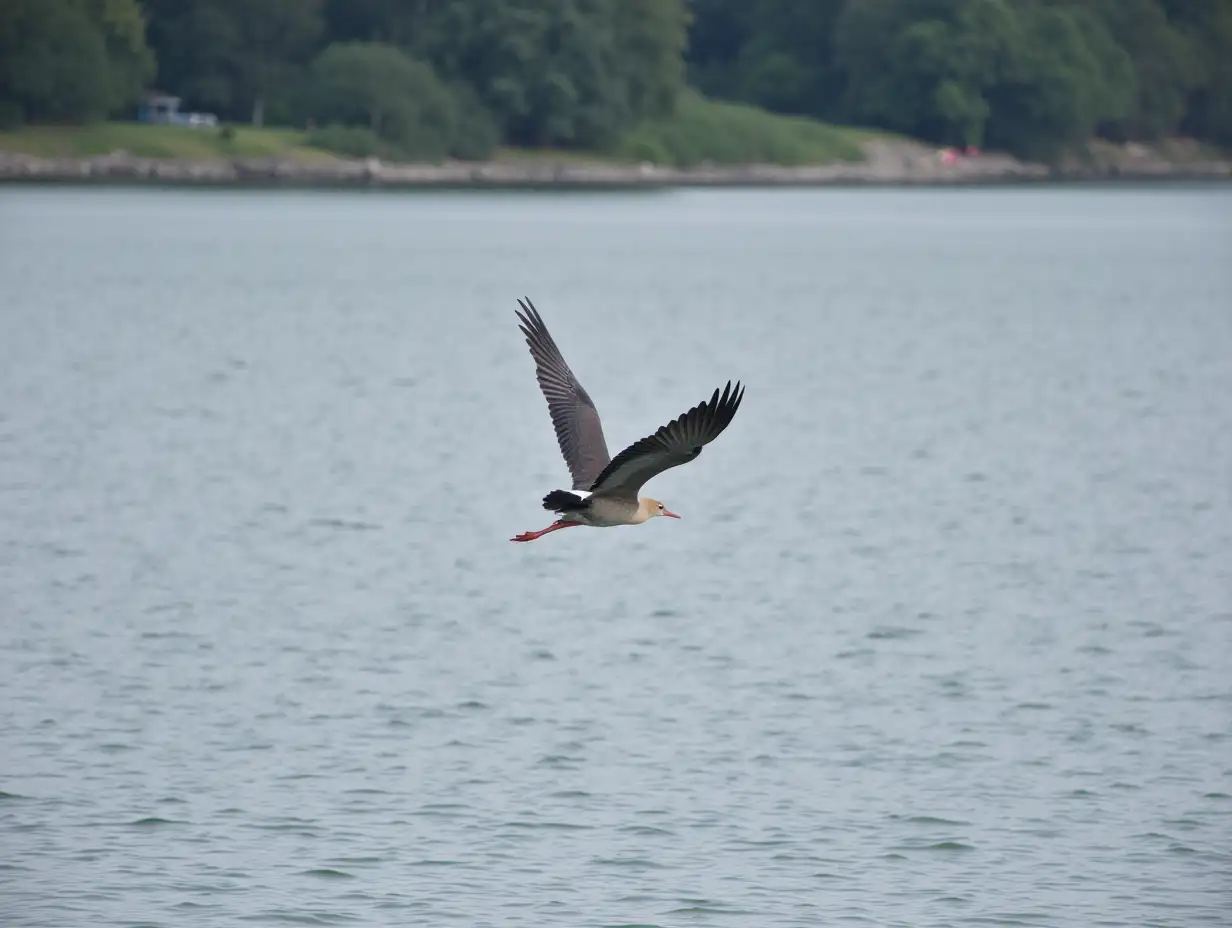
(578, 429)
(676, 443)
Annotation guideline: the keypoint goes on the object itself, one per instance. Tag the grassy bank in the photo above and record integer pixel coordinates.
(145, 141)
(701, 130)
(730, 133)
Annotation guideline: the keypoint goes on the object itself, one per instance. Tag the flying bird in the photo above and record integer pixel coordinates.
(605, 488)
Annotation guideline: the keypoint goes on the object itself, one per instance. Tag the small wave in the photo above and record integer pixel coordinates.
(1023, 919)
(938, 846)
(562, 761)
(349, 525)
(635, 863)
(855, 652)
(893, 632)
(1094, 649)
(929, 820)
(645, 830)
(287, 828)
(298, 918)
(550, 826)
(704, 908)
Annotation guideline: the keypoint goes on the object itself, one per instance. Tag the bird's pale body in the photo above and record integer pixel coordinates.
(605, 489)
(607, 512)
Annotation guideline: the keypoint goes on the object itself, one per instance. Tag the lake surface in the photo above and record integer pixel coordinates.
(944, 636)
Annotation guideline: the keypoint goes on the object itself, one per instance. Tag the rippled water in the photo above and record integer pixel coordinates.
(944, 637)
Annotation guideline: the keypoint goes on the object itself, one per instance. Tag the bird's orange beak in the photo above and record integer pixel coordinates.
(671, 515)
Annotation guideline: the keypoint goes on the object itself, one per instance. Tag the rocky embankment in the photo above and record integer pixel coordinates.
(886, 162)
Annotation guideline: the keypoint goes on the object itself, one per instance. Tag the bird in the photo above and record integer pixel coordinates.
(605, 489)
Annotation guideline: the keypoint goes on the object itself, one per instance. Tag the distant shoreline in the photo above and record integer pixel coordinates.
(887, 164)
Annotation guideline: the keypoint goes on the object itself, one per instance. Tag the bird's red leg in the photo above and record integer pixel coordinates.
(531, 536)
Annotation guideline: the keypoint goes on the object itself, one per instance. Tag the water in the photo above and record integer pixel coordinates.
(943, 637)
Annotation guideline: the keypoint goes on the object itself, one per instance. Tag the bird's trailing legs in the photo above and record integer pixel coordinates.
(531, 536)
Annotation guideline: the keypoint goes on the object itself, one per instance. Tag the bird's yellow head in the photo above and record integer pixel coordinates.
(655, 508)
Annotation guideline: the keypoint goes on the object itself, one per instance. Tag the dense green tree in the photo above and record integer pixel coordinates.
(543, 68)
(1030, 74)
(377, 84)
(928, 76)
(393, 22)
(788, 64)
(399, 99)
(1206, 27)
(1163, 68)
(650, 37)
(718, 33)
(71, 60)
(130, 62)
(233, 55)
(552, 72)
(773, 53)
(1062, 79)
(1036, 77)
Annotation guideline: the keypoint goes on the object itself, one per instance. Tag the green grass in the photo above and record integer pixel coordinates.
(148, 141)
(724, 133)
(730, 133)
(701, 130)
(173, 142)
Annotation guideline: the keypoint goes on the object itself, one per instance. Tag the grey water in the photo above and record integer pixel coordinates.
(944, 636)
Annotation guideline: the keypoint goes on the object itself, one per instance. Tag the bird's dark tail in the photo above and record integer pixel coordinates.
(563, 501)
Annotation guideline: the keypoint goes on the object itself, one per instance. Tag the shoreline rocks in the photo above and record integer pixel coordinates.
(887, 163)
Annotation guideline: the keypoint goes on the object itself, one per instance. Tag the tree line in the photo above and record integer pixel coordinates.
(1033, 77)
(432, 77)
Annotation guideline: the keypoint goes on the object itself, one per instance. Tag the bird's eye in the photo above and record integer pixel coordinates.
(660, 507)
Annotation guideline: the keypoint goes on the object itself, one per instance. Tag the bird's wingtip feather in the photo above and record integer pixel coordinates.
(528, 308)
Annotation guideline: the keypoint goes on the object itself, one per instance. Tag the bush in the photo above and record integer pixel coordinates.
(348, 141)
